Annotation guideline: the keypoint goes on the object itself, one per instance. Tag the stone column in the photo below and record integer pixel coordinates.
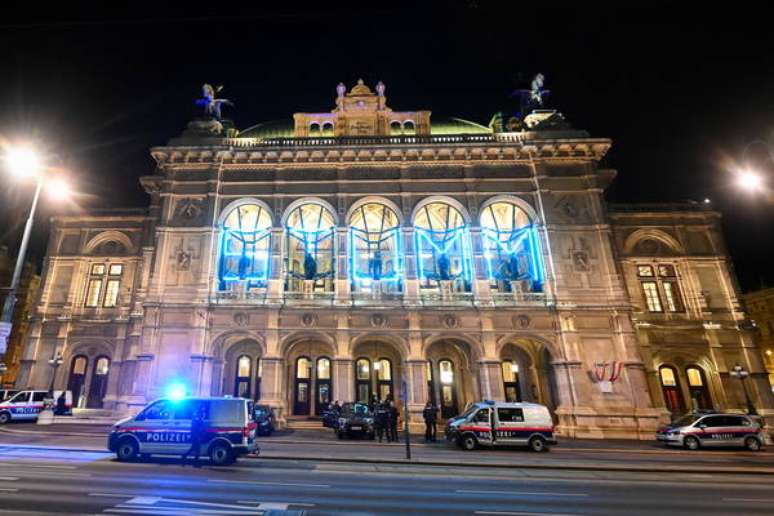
(415, 376)
(411, 282)
(273, 387)
(342, 266)
(141, 390)
(343, 379)
(275, 283)
(490, 380)
(481, 291)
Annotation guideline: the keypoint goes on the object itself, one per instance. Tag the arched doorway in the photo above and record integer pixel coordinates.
(303, 384)
(384, 386)
(670, 387)
(99, 380)
(76, 382)
(510, 370)
(241, 370)
(378, 369)
(697, 387)
(323, 386)
(363, 380)
(451, 376)
(243, 376)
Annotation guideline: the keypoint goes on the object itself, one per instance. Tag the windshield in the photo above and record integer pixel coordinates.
(19, 397)
(686, 420)
(470, 411)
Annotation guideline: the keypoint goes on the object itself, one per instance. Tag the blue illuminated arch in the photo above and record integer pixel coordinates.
(442, 245)
(511, 246)
(310, 229)
(375, 246)
(245, 245)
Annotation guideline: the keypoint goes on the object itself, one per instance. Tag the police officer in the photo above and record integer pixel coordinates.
(393, 421)
(380, 421)
(430, 415)
(197, 434)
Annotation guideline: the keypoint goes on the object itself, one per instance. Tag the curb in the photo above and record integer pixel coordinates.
(447, 464)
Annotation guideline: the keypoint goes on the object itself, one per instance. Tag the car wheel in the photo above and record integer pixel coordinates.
(752, 444)
(5, 417)
(221, 454)
(538, 444)
(126, 450)
(691, 443)
(469, 442)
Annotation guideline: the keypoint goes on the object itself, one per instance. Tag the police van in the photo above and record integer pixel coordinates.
(26, 405)
(163, 427)
(494, 423)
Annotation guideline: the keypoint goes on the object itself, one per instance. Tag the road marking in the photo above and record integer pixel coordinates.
(545, 493)
(9, 479)
(27, 465)
(111, 495)
(266, 505)
(504, 513)
(8, 490)
(252, 482)
(755, 500)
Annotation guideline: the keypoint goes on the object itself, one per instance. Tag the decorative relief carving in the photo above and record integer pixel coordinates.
(580, 261)
(572, 210)
(241, 319)
(309, 320)
(189, 211)
(450, 321)
(183, 260)
(521, 321)
(378, 320)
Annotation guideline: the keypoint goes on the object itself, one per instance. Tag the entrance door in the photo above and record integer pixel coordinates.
(697, 387)
(383, 370)
(76, 383)
(302, 387)
(448, 384)
(363, 380)
(671, 389)
(323, 385)
(511, 381)
(99, 379)
(242, 377)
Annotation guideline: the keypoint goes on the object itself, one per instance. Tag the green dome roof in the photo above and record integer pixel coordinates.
(438, 127)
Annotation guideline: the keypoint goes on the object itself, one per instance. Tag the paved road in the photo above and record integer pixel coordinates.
(41, 481)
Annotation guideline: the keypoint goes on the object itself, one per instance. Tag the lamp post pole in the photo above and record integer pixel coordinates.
(6, 322)
(741, 373)
(54, 363)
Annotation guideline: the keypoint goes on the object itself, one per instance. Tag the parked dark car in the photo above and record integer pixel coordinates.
(355, 420)
(330, 417)
(264, 418)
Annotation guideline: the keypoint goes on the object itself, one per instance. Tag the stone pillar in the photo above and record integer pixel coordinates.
(481, 290)
(275, 282)
(273, 387)
(342, 272)
(490, 380)
(415, 376)
(343, 379)
(141, 390)
(411, 282)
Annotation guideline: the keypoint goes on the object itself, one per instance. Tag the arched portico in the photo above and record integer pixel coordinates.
(451, 371)
(309, 375)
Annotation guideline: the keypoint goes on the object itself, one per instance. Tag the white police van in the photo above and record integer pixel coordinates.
(26, 405)
(495, 423)
(163, 427)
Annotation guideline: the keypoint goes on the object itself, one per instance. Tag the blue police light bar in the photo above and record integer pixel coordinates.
(176, 391)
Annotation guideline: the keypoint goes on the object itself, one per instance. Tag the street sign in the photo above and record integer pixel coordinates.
(5, 332)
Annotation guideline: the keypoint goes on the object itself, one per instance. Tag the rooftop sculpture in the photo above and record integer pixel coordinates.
(212, 105)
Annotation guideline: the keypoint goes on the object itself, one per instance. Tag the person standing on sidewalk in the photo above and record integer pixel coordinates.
(197, 434)
(380, 421)
(430, 415)
(393, 421)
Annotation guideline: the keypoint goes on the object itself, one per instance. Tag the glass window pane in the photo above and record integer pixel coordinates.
(651, 296)
(374, 238)
(447, 373)
(363, 369)
(645, 271)
(384, 369)
(509, 370)
(116, 269)
(442, 246)
(694, 377)
(103, 366)
(303, 368)
(245, 248)
(323, 369)
(111, 293)
(93, 293)
(260, 368)
(666, 270)
(672, 297)
(243, 366)
(310, 229)
(79, 367)
(668, 377)
(97, 269)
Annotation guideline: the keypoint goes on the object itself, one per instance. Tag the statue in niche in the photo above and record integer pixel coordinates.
(380, 88)
(183, 260)
(580, 260)
(310, 267)
(212, 105)
(341, 89)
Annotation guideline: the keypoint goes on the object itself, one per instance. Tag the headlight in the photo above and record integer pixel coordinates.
(265, 422)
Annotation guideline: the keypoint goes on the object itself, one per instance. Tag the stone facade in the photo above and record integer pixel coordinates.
(760, 306)
(502, 274)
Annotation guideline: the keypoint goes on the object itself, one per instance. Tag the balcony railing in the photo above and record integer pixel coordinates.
(348, 141)
(519, 298)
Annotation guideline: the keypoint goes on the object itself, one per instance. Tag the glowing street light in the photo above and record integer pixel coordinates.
(24, 162)
(750, 180)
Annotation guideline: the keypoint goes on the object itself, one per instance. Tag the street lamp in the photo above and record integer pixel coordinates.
(54, 362)
(749, 180)
(24, 162)
(740, 372)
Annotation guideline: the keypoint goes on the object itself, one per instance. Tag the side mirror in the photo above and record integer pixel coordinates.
(702, 425)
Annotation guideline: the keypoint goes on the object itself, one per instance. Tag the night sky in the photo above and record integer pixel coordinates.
(680, 95)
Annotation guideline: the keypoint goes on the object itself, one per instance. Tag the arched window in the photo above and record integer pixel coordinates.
(310, 232)
(408, 127)
(447, 388)
(442, 247)
(363, 380)
(510, 371)
(698, 388)
(395, 128)
(244, 369)
(245, 249)
(383, 370)
(511, 248)
(314, 129)
(303, 379)
(99, 380)
(670, 388)
(327, 129)
(323, 384)
(374, 235)
(76, 383)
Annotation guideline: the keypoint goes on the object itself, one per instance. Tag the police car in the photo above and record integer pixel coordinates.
(697, 430)
(494, 423)
(26, 405)
(163, 427)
